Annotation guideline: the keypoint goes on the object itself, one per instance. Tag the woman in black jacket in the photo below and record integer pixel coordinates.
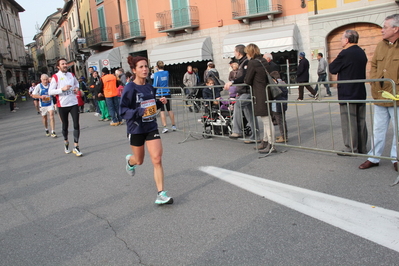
(257, 78)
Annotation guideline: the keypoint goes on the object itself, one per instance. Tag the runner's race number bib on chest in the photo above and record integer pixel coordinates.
(150, 110)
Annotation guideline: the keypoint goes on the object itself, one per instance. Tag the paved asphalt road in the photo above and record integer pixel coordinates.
(58, 209)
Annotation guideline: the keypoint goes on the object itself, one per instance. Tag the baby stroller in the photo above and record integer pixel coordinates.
(195, 94)
(217, 120)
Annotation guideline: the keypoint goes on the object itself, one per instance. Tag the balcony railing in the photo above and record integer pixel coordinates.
(178, 19)
(132, 30)
(244, 9)
(99, 37)
(25, 61)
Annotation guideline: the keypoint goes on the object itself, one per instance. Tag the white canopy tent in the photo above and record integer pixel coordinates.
(276, 39)
(182, 51)
(110, 59)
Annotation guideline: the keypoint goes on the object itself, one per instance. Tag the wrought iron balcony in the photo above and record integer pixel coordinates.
(99, 37)
(245, 10)
(178, 19)
(25, 61)
(129, 31)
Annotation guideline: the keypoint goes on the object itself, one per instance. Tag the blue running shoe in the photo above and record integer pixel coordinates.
(162, 198)
(130, 169)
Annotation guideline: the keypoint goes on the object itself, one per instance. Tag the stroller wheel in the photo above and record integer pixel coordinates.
(208, 131)
(247, 131)
(196, 108)
(190, 109)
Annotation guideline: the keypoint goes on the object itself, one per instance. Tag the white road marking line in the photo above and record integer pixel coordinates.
(370, 222)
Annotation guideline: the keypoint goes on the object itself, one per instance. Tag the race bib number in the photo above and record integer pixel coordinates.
(68, 92)
(46, 99)
(150, 110)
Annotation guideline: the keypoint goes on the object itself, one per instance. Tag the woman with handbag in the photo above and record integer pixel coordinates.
(257, 78)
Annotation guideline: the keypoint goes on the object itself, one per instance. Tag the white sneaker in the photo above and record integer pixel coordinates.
(77, 152)
(174, 128)
(130, 169)
(162, 198)
(66, 148)
(164, 130)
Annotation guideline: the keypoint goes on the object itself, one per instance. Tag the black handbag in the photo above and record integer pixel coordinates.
(218, 80)
(274, 90)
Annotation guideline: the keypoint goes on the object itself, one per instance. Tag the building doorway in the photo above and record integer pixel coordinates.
(176, 72)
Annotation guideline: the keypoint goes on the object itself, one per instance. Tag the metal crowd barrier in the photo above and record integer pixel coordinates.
(176, 100)
(312, 124)
(324, 121)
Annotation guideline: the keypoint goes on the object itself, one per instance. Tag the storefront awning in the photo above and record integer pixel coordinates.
(182, 52)
(110, 59)
(269, 40)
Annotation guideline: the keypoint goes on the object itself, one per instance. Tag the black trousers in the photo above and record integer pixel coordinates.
(308, 87)
(74, 111)
(354, 128)
(12, 103)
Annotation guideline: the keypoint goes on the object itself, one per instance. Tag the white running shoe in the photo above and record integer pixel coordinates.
(130, 169)
(76, 151)
(164, 130)
(162, 198)
(66, 148)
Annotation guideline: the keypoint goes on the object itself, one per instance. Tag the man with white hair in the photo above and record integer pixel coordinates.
(120, 74)
(384, 65)
(271, 66)
(46, 104)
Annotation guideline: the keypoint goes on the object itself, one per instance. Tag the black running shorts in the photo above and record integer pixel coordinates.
(139, 139)
(167, 105)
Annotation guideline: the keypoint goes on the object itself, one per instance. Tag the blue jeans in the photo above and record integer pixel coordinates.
(95, 102)
(323, 77)
(113, 109)
(382, 117)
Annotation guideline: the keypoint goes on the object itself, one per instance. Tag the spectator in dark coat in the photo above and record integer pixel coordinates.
(302, 76)
(242, 106)
(257, 78)
(351, 64)
(271, 66)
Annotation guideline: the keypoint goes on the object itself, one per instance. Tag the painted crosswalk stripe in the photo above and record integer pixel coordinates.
(370, 222)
